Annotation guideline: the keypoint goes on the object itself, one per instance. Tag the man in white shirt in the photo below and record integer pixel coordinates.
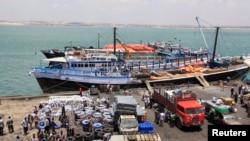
(25, 125)
(162, 118)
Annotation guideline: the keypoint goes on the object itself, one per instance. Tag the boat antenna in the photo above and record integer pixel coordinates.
(114, 40)
(197, 19)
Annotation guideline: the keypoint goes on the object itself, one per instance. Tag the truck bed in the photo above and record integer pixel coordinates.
(170, 100)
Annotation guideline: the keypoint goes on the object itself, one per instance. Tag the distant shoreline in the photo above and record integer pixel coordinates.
(52, 23)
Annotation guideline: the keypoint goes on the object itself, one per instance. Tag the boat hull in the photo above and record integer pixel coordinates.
(49, 85)
(238, 73)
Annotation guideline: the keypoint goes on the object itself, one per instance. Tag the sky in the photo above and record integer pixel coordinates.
(146, 12)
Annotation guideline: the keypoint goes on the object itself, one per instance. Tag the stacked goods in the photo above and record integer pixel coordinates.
(191, 69)
(161, 72)
(209, 70)
(158, 78)
(228, 101)
(246, 98)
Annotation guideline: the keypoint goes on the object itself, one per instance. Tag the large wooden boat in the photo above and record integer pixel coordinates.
(77, 67)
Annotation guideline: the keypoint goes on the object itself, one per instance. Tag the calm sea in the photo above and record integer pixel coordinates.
(21, 45)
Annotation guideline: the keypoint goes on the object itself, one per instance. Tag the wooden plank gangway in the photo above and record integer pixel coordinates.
(201, 79)
(150, 89)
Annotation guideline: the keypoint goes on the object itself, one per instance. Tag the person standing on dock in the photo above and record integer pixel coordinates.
(10, 124)
(63, 110)
(232, 92)
(157, 116)
(80, 91)
(236, 98)
(240, 88)
(162, 118)
(30, 120)
(1, 126)
(25, 125)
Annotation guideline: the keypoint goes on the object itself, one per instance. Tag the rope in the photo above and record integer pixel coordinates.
(81, 85)
(56, 85)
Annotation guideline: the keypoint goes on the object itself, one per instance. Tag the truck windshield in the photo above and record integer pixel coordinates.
(194, 110)
(129, 123)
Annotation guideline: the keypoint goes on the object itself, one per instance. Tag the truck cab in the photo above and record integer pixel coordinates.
(127, 124)
(190, 113)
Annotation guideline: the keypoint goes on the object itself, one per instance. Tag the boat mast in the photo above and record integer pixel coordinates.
(215, 43)
(114, 40)
(98, 40)
(197, 19)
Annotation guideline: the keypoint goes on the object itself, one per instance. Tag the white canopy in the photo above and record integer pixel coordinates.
(56, 59)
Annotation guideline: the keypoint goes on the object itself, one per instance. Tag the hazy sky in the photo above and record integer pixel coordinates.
(156, 12)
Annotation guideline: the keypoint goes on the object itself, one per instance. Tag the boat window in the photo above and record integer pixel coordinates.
(86, 65)
(73, 65)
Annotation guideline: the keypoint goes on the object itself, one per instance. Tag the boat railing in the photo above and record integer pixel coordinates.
(51, 73)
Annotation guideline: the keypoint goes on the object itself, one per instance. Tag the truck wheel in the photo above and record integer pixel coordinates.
(178, 123)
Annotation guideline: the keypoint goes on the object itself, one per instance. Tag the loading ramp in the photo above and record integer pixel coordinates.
(201, 79)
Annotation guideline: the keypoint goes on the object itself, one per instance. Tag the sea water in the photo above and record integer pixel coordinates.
(21, 45)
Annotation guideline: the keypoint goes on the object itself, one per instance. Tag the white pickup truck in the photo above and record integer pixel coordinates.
(127, 124)
(136, 137)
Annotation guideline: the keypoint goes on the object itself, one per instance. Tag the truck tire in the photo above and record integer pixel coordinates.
(178, 123)
(100, 135)
(88, 137)
(107, 130)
